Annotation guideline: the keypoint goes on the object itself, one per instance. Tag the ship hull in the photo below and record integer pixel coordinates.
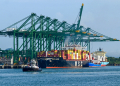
(91, 65)
(59, 63)
(95, 65)
(104, 63)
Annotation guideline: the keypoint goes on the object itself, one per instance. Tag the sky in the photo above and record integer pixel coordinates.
(102, 16)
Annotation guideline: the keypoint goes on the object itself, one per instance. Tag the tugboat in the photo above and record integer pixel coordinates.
(31, 67)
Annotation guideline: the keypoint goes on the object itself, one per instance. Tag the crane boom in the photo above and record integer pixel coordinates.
(80, 14)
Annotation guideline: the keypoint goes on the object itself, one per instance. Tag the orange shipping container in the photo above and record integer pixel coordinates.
(68, 56)
(75, 55)
(62, 53)
(83, 55)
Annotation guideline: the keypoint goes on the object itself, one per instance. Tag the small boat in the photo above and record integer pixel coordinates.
(31, 67)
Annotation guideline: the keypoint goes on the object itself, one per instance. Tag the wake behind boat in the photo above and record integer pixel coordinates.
(31, 67)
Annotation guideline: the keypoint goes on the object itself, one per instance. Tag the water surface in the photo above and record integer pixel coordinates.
(94, 76)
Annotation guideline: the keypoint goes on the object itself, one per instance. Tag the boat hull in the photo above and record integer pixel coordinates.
(31, 69)
(60, 63)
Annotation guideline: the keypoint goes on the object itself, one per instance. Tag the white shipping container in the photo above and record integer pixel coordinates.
(73, 55)
(77, 55)
(46, 53)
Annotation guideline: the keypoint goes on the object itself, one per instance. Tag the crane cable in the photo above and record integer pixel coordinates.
(76, 18)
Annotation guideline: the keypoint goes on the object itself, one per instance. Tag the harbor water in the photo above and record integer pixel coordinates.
(94, 76)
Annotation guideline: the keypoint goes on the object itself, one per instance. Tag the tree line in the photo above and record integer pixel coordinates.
(113, 60)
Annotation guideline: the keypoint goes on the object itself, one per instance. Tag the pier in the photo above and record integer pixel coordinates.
(11, 66)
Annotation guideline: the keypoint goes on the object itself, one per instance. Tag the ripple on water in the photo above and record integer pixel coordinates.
(98, 76)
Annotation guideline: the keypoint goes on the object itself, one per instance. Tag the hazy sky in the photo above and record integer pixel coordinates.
(102, 16)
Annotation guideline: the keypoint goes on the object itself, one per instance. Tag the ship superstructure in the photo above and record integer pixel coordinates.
(101, 56)
(98, 59)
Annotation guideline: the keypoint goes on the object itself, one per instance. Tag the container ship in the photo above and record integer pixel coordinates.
(69, 57)
(98, 59)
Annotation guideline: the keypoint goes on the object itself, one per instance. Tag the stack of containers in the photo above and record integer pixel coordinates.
(71, 54)
(62, 54)
(38, 54)
(79, 54)
(67, 54)
(87, 55)
(48, 54)
(77, 51)
(55, 53)
(83, 55)
(74, 54)
(59, 53)
(42, 54)
(52, 53)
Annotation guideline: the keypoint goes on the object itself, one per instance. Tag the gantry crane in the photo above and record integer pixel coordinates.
(40, 33)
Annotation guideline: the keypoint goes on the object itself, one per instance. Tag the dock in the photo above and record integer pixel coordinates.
(11, 66)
